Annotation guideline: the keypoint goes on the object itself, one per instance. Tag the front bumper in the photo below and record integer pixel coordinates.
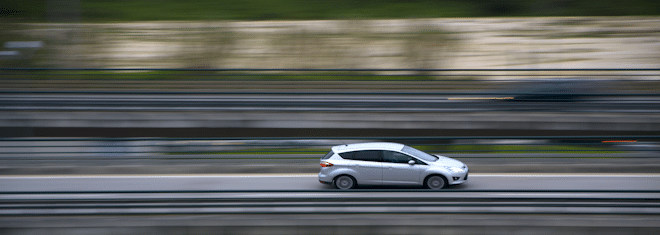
(459, 178)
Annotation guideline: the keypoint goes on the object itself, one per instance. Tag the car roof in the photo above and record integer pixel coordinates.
(367, 146)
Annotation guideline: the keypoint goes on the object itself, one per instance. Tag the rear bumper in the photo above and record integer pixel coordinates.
(325, 179)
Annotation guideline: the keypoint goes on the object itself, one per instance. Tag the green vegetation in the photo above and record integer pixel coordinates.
(124, 10)
(11, 32)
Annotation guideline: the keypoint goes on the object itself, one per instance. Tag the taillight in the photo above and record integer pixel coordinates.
(326, 164)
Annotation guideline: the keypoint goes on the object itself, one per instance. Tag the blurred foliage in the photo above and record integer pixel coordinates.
(124, 10)
(27, 57)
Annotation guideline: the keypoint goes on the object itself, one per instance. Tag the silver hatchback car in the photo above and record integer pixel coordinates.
(379, 163)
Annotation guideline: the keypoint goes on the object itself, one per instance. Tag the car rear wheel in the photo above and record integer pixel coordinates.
(435, 182)
(344, 182)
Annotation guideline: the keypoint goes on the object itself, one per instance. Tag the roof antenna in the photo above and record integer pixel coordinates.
(343, 142)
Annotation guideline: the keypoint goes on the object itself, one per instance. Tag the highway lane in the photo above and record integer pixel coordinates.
(309, 182)
(338, 102)
(368, 211)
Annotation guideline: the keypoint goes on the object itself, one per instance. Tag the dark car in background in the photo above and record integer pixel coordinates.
(556, 90)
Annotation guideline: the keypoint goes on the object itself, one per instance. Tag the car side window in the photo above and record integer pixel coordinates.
(395, 157)
(419, 162)
(368, 155)
(347, 155)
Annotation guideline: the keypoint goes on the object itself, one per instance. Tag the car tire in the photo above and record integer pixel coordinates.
(435, 182)
(344, 182)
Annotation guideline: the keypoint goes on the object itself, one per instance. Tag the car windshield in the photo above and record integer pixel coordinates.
(420, 154)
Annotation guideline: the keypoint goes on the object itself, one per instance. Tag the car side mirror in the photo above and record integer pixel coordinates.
(411, 162)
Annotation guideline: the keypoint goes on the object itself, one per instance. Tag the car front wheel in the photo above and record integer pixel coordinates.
(344, 182)
(435, 182)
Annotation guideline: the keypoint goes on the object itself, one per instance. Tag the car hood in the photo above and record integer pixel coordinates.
(445, 161)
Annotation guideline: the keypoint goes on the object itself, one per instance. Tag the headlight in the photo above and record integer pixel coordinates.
(454, 169)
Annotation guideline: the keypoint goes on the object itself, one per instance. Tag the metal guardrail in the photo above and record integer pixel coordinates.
(421, 93)
(643, 202)
(407, 138)
(329, 70)
(284, 192)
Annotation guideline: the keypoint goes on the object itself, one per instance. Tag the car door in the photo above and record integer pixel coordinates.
(396, 169)
(368, 164)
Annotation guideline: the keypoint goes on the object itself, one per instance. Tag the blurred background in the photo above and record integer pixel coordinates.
(132, 117)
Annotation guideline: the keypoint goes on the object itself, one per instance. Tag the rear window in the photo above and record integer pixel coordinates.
(328, 155)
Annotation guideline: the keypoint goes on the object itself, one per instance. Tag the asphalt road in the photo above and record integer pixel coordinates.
(310, 182)
(306, 102)
(338, 212)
